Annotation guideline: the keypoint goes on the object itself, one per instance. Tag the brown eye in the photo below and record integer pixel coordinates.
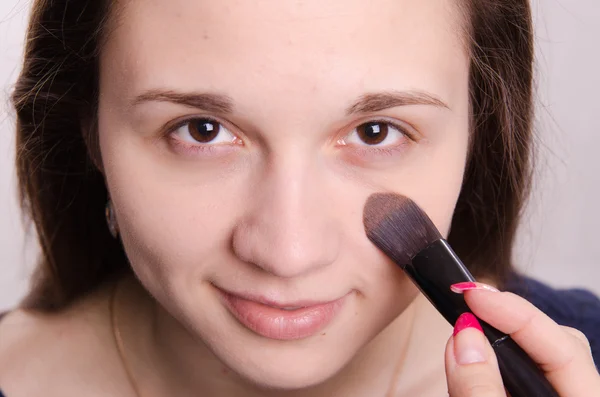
(203, 130)
(372, 133)
(375, 133)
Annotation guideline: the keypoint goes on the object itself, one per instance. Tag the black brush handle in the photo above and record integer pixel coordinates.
(521, 375)
(434, 270)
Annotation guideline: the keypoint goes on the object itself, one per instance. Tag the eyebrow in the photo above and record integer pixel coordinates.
(385, 100)
(211, 102)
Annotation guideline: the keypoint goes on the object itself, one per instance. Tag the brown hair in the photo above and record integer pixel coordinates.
(64, 193)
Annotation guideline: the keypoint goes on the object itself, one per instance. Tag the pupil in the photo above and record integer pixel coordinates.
(373, 133)
(204, 130)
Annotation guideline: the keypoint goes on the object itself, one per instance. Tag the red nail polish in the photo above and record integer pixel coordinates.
(459, 288)
(466, 320)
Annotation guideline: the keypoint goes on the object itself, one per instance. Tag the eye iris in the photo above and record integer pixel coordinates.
(372, 133)
(204, 130)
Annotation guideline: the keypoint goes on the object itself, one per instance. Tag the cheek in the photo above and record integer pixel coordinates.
(171, 224)
(438, 192)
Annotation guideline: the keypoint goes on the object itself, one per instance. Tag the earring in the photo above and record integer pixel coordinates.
(111, 220)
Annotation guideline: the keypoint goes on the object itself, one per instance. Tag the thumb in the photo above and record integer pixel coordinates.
(471, 366)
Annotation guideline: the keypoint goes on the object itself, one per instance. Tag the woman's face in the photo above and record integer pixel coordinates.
(240, 140)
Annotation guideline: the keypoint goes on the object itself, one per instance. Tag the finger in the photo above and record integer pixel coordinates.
(562, 356)
(471, 366)
(585, 343)
(580, 336)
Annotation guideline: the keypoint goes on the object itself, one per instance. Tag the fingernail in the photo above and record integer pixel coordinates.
(469, 341)
(459, 288)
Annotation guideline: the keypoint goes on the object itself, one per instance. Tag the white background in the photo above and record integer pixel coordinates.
(558, 242)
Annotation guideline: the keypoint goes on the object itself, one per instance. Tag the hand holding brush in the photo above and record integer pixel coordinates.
(500, 340)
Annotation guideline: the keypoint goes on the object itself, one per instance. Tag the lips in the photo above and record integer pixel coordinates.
(289, 321)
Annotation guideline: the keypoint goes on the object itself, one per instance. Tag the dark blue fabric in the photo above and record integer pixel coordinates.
(576, 308)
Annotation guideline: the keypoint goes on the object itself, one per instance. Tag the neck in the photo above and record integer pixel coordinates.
(171, 361)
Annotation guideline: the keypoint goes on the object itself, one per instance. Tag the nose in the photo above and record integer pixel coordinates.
(290, 228)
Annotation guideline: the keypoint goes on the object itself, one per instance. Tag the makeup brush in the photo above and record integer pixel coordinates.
(404, 232)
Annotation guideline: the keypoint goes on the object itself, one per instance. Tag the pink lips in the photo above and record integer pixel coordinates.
(273, 321)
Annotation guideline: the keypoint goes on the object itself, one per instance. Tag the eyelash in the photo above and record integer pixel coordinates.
(199, 148)
(362, 151)
(402, 129)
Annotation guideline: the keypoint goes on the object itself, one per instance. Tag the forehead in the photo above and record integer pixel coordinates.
(285, 46)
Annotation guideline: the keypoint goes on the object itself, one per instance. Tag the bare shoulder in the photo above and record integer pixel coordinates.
(63, 351)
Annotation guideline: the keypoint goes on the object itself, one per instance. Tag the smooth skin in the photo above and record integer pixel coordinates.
(271, 205)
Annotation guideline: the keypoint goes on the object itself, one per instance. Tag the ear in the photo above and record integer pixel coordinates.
(89, 132)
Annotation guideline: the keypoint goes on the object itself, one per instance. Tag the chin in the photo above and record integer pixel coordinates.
(287, 369)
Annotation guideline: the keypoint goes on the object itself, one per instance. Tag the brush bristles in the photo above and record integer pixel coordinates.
(398, 227)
